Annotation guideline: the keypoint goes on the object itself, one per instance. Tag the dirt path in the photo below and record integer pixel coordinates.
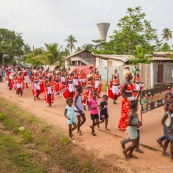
(106, 144)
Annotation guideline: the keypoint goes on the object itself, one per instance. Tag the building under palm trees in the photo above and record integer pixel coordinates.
(80, 58)
(158, 71)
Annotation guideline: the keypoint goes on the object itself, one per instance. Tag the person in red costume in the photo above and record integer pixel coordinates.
(97, 80)
(70, 89)
(9, 77)
(75, 78)
(138, 85)
(82, 77)
(49, 92)
(19, 84)
(127, 96)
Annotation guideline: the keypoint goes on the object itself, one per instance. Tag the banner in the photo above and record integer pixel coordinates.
(154, 98)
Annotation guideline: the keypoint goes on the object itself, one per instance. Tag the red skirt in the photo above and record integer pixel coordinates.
(125, 109)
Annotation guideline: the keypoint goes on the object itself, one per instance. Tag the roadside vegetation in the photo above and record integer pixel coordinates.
(29, 145)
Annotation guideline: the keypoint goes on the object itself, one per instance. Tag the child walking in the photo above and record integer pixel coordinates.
(133, 124)
(93, 106)
(69, 114)
(104, 111)
(79, 109)
(168, 99)
(168, 127)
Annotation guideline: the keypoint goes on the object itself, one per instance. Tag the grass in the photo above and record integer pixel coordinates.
(14, 157)
(104, 87)
(51, 143)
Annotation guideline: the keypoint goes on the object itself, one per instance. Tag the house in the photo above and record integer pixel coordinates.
(104, 63)
(107, 63)
(161, 68)
(159, 71)
(80, 58)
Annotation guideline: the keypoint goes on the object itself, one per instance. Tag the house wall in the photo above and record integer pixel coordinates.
(106, 69)
(155, 71)
(145, 72)
(87, 56)
(168, 72)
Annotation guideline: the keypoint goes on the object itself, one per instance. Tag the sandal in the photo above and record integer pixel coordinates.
(79, 132)
(166, 154)
(132, 156)
(93, 133)
(125, 155)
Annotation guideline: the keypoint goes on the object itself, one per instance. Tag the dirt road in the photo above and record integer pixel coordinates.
(107, 143)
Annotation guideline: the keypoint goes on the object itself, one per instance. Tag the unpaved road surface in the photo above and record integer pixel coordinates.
(107, 143)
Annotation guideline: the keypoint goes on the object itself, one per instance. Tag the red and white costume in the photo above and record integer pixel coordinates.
(75, 79)
(70, 90)
(48, 94)
(62, 74)
(114, 89)
(81, 77)
(8, 72)
(20, 85)
(37, 87)
(26, 77)
(87, 93)
(138, 86)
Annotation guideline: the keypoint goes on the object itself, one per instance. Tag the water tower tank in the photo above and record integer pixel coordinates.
(103, 30)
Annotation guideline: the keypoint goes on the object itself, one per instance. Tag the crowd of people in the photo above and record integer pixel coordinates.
(81, 91)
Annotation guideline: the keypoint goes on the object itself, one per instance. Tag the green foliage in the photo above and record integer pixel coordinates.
(70, 43)
(46, 148)
(48, 55)
(167, 34)
(11, 44)
(169, 55)
(165, 47)
(27, 136)
(14, 158)
(134, 36)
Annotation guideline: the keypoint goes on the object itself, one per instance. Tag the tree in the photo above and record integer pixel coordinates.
(36, 57)
(165, 47)
(134, 33)
(11, 44)
(88, 47)
(70, 43)
(167, 34)
(99, 44)
(53, 52)
(48, 55)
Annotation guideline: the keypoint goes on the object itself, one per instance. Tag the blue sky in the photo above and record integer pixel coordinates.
(52, 21)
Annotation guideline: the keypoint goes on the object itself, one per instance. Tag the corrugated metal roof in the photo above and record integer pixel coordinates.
(76, 54)
(161, 59)
(123, 58)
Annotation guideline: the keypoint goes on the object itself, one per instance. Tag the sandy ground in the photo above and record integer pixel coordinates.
(107, 143)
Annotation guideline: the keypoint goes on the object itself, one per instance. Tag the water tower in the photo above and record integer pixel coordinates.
(103, 30)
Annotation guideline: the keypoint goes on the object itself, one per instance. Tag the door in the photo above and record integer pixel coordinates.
(160, 73)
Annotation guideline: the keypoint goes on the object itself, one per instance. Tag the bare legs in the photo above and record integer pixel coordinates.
(71, 129)
(130, 149)
(79, 122)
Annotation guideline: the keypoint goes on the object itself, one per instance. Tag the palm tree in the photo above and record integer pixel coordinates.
(167, 34)
(88, 47)
(70, 43)
(53, 52)
(99, 44)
